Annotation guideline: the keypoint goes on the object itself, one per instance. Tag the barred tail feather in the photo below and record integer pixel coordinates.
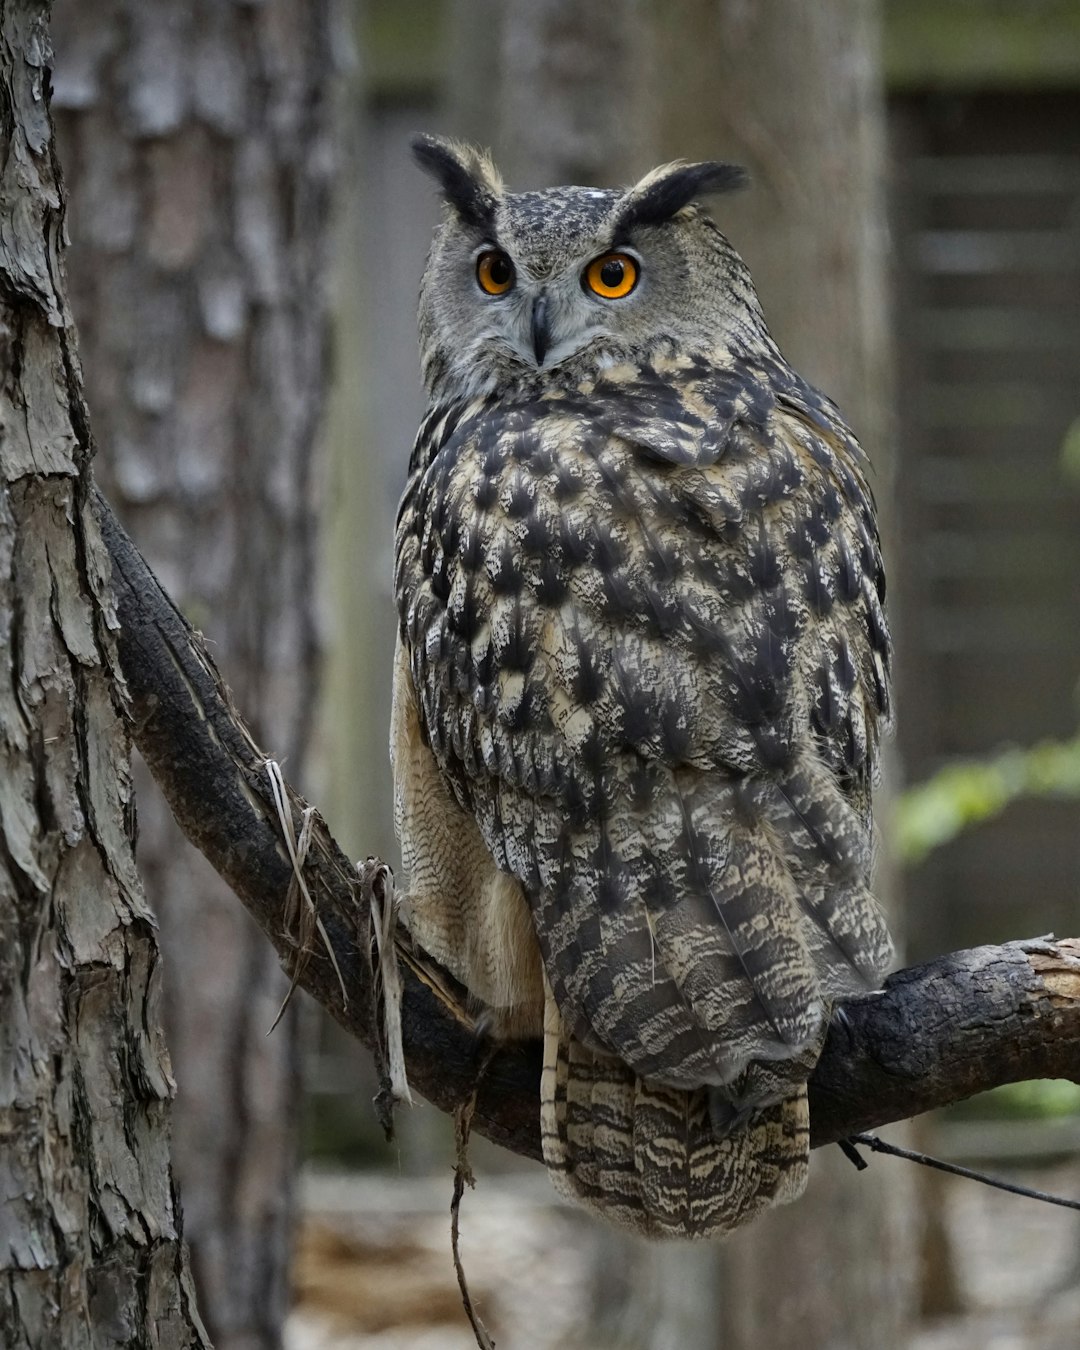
(646, 1156)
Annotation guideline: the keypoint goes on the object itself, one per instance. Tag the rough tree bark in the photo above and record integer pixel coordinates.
(90, 1241)
(196, 137)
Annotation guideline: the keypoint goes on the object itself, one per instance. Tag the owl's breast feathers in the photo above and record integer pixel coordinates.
(644, 625)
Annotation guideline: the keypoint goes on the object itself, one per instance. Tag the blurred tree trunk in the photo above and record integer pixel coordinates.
(793, 91)
(576, 103)
(90, 1236)
(196, 140)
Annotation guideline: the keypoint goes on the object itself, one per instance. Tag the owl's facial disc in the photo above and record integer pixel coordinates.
(567, 281)
(544, 321)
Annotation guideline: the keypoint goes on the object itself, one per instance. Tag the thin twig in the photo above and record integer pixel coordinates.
(305, 913)
(876, 1145)
(463, 1176)
(297, 919)
(384, 911)
(376, 924)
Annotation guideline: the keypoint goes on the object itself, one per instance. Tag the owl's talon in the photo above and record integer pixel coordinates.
(841, 1020)
(484, 1026)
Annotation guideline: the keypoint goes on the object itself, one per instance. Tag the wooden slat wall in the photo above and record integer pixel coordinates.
(987, 230)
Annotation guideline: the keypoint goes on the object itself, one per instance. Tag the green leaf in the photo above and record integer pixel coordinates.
(965, 793)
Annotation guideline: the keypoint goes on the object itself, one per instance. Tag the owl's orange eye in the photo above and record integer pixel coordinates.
(494, 272)
(611, 276)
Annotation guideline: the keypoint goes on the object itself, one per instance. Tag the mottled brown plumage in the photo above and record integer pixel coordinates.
(642, 670)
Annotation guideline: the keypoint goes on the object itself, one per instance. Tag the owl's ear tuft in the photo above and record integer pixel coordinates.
(469, 180)
(664, 192)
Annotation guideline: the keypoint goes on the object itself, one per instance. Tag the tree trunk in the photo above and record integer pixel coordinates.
(576, 103)
(196, 140)
(90, 1240)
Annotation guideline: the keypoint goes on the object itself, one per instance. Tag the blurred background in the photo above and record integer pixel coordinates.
(247, 236)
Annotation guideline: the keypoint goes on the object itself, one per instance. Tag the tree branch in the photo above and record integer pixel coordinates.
(935, 1034)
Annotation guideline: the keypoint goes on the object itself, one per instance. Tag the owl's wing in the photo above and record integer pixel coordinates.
(652, 664)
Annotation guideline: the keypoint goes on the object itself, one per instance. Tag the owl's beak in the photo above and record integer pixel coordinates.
(541, 337)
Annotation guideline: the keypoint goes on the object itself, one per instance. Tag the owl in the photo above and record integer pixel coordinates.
(641, 676)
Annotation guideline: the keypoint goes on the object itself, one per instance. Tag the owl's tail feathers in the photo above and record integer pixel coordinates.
(646, 1157)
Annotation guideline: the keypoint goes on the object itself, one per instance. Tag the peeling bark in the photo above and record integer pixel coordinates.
(90, 1240)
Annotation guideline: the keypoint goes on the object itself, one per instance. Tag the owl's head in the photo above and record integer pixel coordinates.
(524, 288)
